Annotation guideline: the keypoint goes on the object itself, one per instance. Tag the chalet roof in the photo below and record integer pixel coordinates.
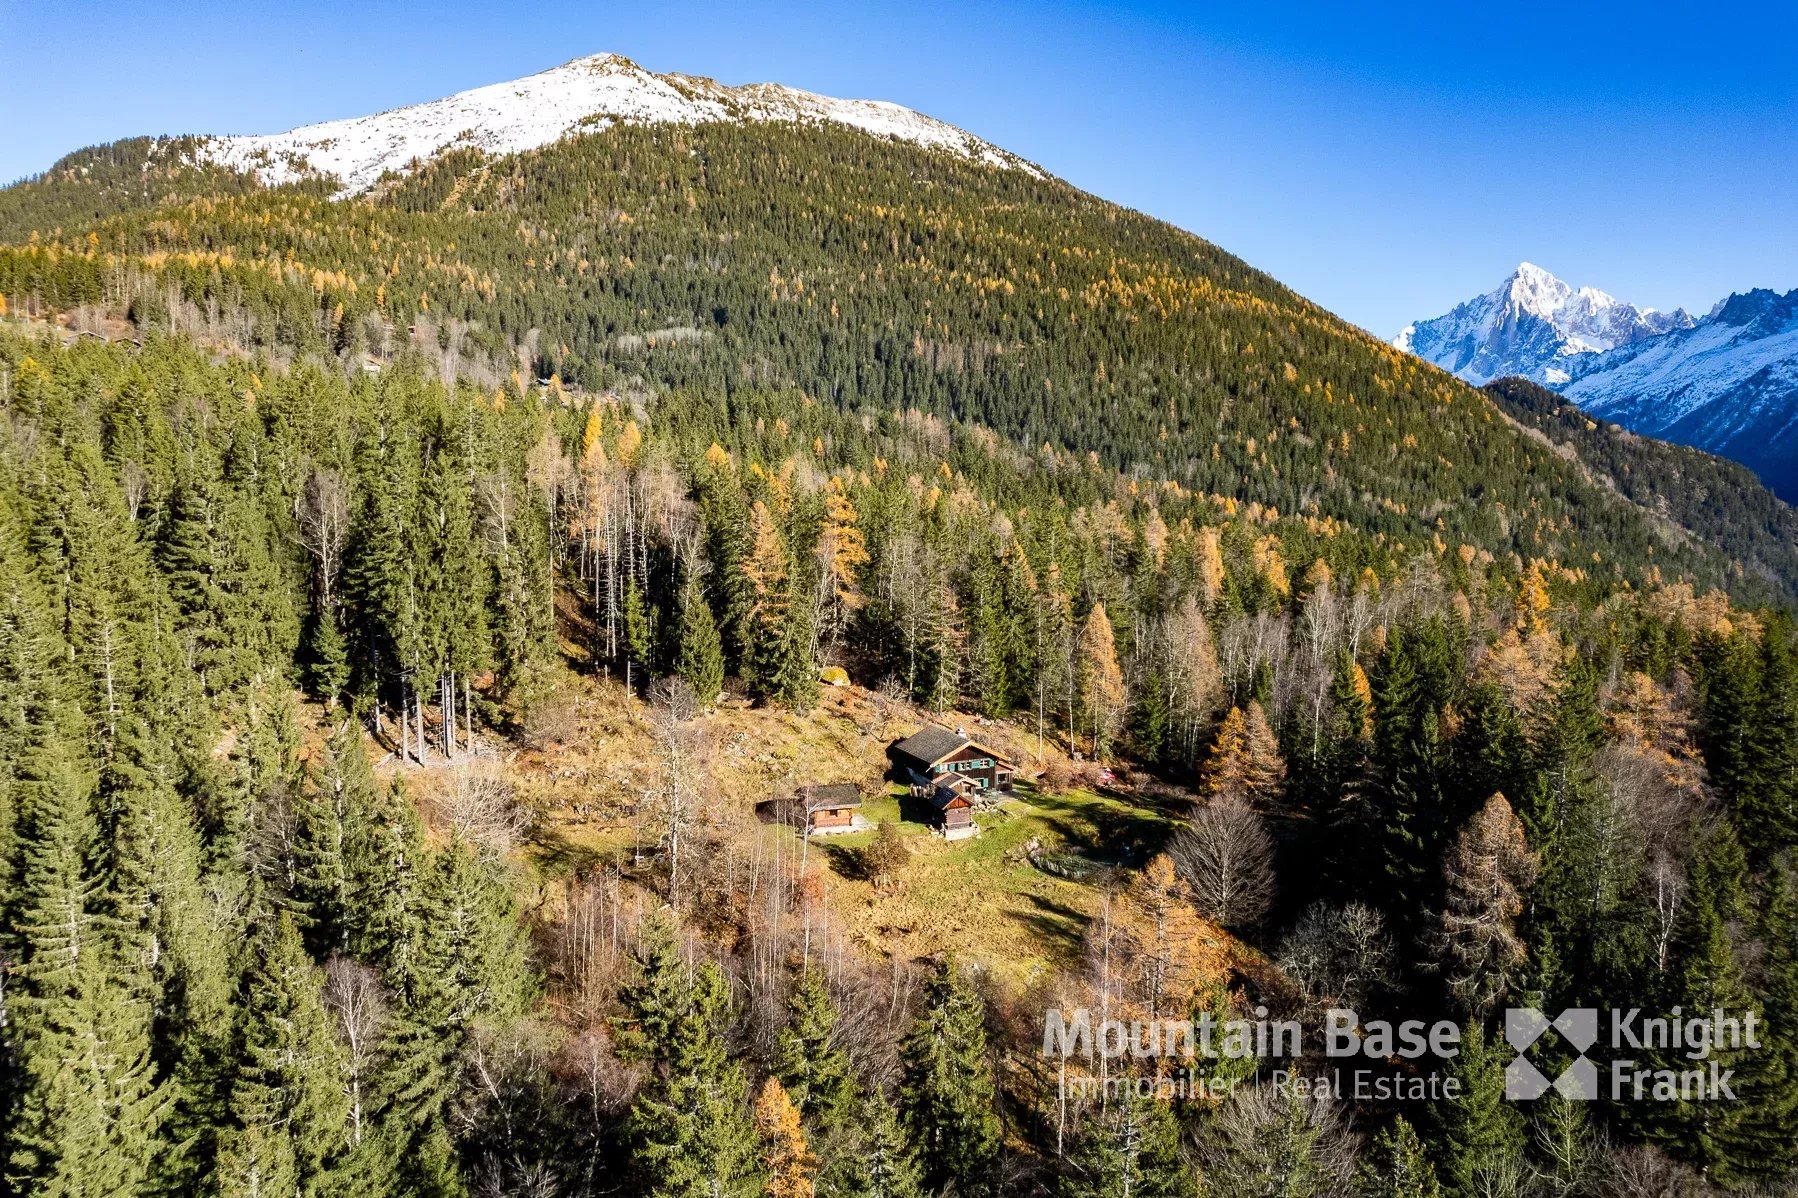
(930, 744)
(836, 794)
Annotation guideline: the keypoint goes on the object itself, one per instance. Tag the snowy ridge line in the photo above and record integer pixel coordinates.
(586, 94)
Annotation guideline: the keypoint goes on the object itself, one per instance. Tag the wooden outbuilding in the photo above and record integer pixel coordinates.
(833, 809)
(953, 806)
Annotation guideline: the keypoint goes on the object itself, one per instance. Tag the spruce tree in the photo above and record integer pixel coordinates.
(878, 1161)
(657, 999)
(1396, 1166)
(947, 1090)
(1476, 1133)
(288, 1112)
(812, 1067)
(335, 820)
(1131, 1147)
(690, 1128)
(701, 660)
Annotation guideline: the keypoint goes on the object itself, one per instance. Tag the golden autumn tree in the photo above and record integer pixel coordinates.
(1210, 553)
(1154, 955)
(769, 599)
(789, 1161)
(1197, 677)
(842, 554)
(1245, 761)
(1101, 682)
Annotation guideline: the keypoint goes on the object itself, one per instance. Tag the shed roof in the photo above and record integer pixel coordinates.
(836, 794)
(942, 795)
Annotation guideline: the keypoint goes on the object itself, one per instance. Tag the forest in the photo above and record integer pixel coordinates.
(307, 551)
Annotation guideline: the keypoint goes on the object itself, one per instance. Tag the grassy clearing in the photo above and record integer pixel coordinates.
(983, 898)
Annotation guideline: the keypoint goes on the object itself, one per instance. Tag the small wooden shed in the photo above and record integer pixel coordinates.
(832, 809)
(952, 804)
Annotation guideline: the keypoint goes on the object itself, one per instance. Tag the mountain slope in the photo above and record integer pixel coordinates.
(1715, 499)
(1534, 326)
(1728, 385)
(883, 277)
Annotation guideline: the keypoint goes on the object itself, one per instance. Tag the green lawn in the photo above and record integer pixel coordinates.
(983, 896)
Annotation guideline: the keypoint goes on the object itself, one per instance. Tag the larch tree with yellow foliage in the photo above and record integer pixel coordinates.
(842, 555)
(1102, 695)
(1245, 761)
(789, 1162)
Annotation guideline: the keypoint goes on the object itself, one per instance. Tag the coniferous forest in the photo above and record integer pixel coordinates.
(396, 594)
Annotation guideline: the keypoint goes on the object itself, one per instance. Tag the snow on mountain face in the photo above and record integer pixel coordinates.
(1728, 384)
(1534, 325)
(586, 94)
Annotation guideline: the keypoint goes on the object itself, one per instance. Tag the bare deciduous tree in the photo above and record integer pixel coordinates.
(1338, 956)
(358, 1007)
(1226, 856)
(1268, 1140)
(480, 806)
(324, 522)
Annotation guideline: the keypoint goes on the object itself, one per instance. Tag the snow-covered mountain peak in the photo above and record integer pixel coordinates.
(1535, 325)
(586, 94)
(1534, 290)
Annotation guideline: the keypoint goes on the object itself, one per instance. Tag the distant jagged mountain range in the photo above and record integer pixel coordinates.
(1726, 382)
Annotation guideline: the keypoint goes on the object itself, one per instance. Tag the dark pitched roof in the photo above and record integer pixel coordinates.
(837, 794)
(942, 794)
(931, 743)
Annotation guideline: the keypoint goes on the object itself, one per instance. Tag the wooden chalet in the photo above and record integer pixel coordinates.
(833, 809)
(948, 770)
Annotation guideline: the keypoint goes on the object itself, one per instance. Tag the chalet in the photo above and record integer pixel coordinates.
(935, 753)
(834, 809)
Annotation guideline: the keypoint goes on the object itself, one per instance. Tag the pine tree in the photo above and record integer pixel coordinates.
(948, 1096)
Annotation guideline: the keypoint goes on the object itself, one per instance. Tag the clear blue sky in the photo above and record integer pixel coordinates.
(1387, 161)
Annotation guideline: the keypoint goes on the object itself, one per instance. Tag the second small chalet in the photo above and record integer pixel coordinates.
(935, 754)
(832, 809)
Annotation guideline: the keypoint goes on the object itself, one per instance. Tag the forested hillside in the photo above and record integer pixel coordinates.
(864, 274)
(1718, 500)
(322, 523)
